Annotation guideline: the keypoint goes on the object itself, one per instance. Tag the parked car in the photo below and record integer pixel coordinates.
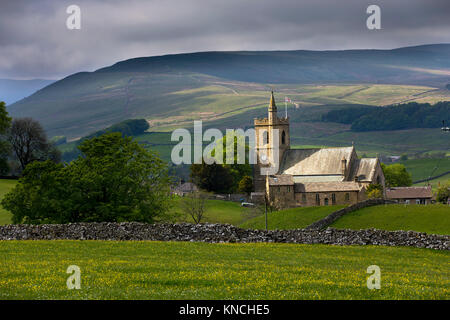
(247, 204)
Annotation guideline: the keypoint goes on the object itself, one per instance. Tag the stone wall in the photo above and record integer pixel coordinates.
(325, 222)
(215, 233)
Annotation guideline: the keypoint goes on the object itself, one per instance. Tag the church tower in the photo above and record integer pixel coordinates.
(265, 138)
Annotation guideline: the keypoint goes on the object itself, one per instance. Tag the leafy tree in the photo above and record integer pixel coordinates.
(246, 185)
(396, 175)
(374, 191)
(223, 178)
(5, 123)
(29, 142)
(443, 193)
(212, 177)
(114, 179)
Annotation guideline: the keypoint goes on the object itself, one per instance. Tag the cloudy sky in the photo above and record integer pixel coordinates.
(35, 42)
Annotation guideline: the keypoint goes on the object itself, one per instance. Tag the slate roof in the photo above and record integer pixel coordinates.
(364, 169)
(315, 161)
(409, 192)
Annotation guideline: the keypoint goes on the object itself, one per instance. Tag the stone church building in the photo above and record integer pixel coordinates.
(309, 177)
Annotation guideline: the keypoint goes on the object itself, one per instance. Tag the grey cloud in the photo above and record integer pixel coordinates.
(34, 41)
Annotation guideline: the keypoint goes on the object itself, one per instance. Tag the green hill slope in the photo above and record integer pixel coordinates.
(209, 85)
(296, 218)
(430, 218)
(422, 168)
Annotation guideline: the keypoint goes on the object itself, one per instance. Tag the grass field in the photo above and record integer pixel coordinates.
(430, 218)
(295, 218)
(423, 168)
(180, 270)
(5, 187)
(217, 211)
(435, 183)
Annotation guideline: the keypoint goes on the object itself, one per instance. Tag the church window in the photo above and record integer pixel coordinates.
(303, 198)
(288, 189)
(266, 137)
(333, 198)
(283, 138)
(347, 196)
(326, 201)
(317, 199)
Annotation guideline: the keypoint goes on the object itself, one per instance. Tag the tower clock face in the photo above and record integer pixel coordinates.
(263, 157)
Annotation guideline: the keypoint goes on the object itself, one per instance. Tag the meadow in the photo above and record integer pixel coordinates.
(183, 270)
(5, 186)
(217, 211)
(424, 218)
(295, 218)
(435, 183)
(422, 168)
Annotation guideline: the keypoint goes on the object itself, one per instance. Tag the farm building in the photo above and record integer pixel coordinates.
(410, 195)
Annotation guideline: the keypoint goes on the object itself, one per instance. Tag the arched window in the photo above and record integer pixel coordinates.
(283, 137)
(266, 137)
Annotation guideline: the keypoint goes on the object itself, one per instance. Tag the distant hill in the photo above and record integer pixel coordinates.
(410, 65)
(14, 90)
(193, 85)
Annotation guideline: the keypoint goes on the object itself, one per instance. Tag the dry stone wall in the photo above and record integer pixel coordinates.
(216, 233)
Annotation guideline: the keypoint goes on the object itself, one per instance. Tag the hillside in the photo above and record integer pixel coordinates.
(429, 219)
(172, 90)
(295, 218)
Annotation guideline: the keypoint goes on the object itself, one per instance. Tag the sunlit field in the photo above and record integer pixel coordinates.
(184, 270)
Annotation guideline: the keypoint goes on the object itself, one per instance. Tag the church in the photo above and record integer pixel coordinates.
(309, 177)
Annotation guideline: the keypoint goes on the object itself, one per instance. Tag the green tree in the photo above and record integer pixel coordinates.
(212, 177)
(246, 185)
(374, 191)
(396, 175)
(443, 193)
(240, 166)
(5, 124)
(114, 179)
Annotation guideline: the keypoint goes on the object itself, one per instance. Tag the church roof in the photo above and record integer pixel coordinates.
(325, 161)
(364, 169)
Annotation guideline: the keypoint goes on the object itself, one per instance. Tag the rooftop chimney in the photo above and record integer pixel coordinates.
(344, 166)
